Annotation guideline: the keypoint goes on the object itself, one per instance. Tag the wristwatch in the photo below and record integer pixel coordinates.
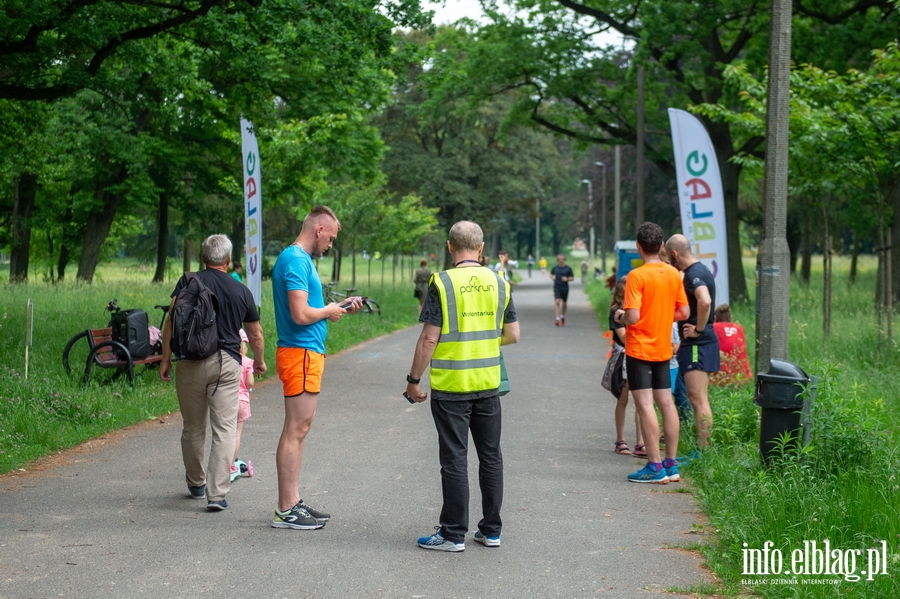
(411, 380)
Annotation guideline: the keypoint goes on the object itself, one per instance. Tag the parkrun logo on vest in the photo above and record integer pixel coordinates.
(475, 286)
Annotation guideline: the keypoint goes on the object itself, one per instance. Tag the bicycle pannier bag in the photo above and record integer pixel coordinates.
(195, 335)
(130, 328)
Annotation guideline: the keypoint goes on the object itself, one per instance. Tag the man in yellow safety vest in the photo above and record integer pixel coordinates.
(467, 315)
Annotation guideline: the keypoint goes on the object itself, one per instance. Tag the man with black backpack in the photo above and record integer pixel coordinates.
(208, 309)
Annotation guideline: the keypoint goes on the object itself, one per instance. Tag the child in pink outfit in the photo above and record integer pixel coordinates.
(239, 467)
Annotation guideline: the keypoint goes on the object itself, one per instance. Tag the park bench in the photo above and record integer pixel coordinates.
(109, 350)
(106, 352)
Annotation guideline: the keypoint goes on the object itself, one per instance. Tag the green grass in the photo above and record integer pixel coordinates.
(844, 487)
(50, 411)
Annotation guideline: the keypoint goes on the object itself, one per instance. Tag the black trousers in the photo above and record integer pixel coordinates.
(453, 421)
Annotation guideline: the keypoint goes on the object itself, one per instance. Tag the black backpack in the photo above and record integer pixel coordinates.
(195, 335)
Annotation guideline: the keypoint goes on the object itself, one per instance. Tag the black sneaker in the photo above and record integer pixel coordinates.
(197, 492)
(297, 517)
(314, 513)
(217, 505)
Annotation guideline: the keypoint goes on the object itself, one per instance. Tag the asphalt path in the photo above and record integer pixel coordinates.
(112, 519)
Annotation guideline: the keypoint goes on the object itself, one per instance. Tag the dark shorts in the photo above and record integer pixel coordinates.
(647, 375)
(562, 294)
(698, 357)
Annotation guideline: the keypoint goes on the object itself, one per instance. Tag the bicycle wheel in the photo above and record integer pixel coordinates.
(123, 367)
(75, 355)
(371, 307)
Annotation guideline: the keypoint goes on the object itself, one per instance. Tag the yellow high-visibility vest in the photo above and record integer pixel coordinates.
(467, 356)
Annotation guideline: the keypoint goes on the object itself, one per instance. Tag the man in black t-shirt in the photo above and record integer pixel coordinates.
(561, 274)
(208, 389)
(699, 351)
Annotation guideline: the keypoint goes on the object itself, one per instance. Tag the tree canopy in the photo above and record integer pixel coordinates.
(570, 82)
(141, 100)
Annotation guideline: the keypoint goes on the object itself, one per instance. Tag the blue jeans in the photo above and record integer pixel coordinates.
(453, 421)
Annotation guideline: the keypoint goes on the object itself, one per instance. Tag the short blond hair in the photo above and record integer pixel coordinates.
(318, 213)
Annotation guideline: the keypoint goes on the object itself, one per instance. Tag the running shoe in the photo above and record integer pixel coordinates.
(648, 475)
(439, 543)
(314, 513)
(298, 518)
(672, 473)
(487, 540)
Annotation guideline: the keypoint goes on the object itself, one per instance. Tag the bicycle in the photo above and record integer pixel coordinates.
(112, 347)
(369, 306)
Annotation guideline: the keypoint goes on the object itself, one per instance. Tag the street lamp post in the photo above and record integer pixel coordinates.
(590, 219)
(602, 218)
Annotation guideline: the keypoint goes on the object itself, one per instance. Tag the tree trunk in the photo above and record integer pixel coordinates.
(795, 240)
(336, 264)
(889, 299)
(891, 191)
(186, 255)
(239, 243)
(51, 275)
(62, 262)
(99, 223)
(162, 238)
(24, 193)
(353, 267)
(394, 270)
(97, 228)
(806, 261)
(448, 259)
(826, 285)
(639, 150)
(880, 286)
(720, 135)
(854, 257)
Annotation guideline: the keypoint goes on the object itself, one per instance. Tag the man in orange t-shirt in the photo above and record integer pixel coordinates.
(654, 299)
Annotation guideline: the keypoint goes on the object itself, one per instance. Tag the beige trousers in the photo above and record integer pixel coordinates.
(195, 382)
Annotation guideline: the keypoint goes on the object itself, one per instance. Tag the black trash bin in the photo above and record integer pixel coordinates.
(785, 408)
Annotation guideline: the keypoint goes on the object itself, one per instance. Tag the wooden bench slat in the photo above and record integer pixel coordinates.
(106, 356)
